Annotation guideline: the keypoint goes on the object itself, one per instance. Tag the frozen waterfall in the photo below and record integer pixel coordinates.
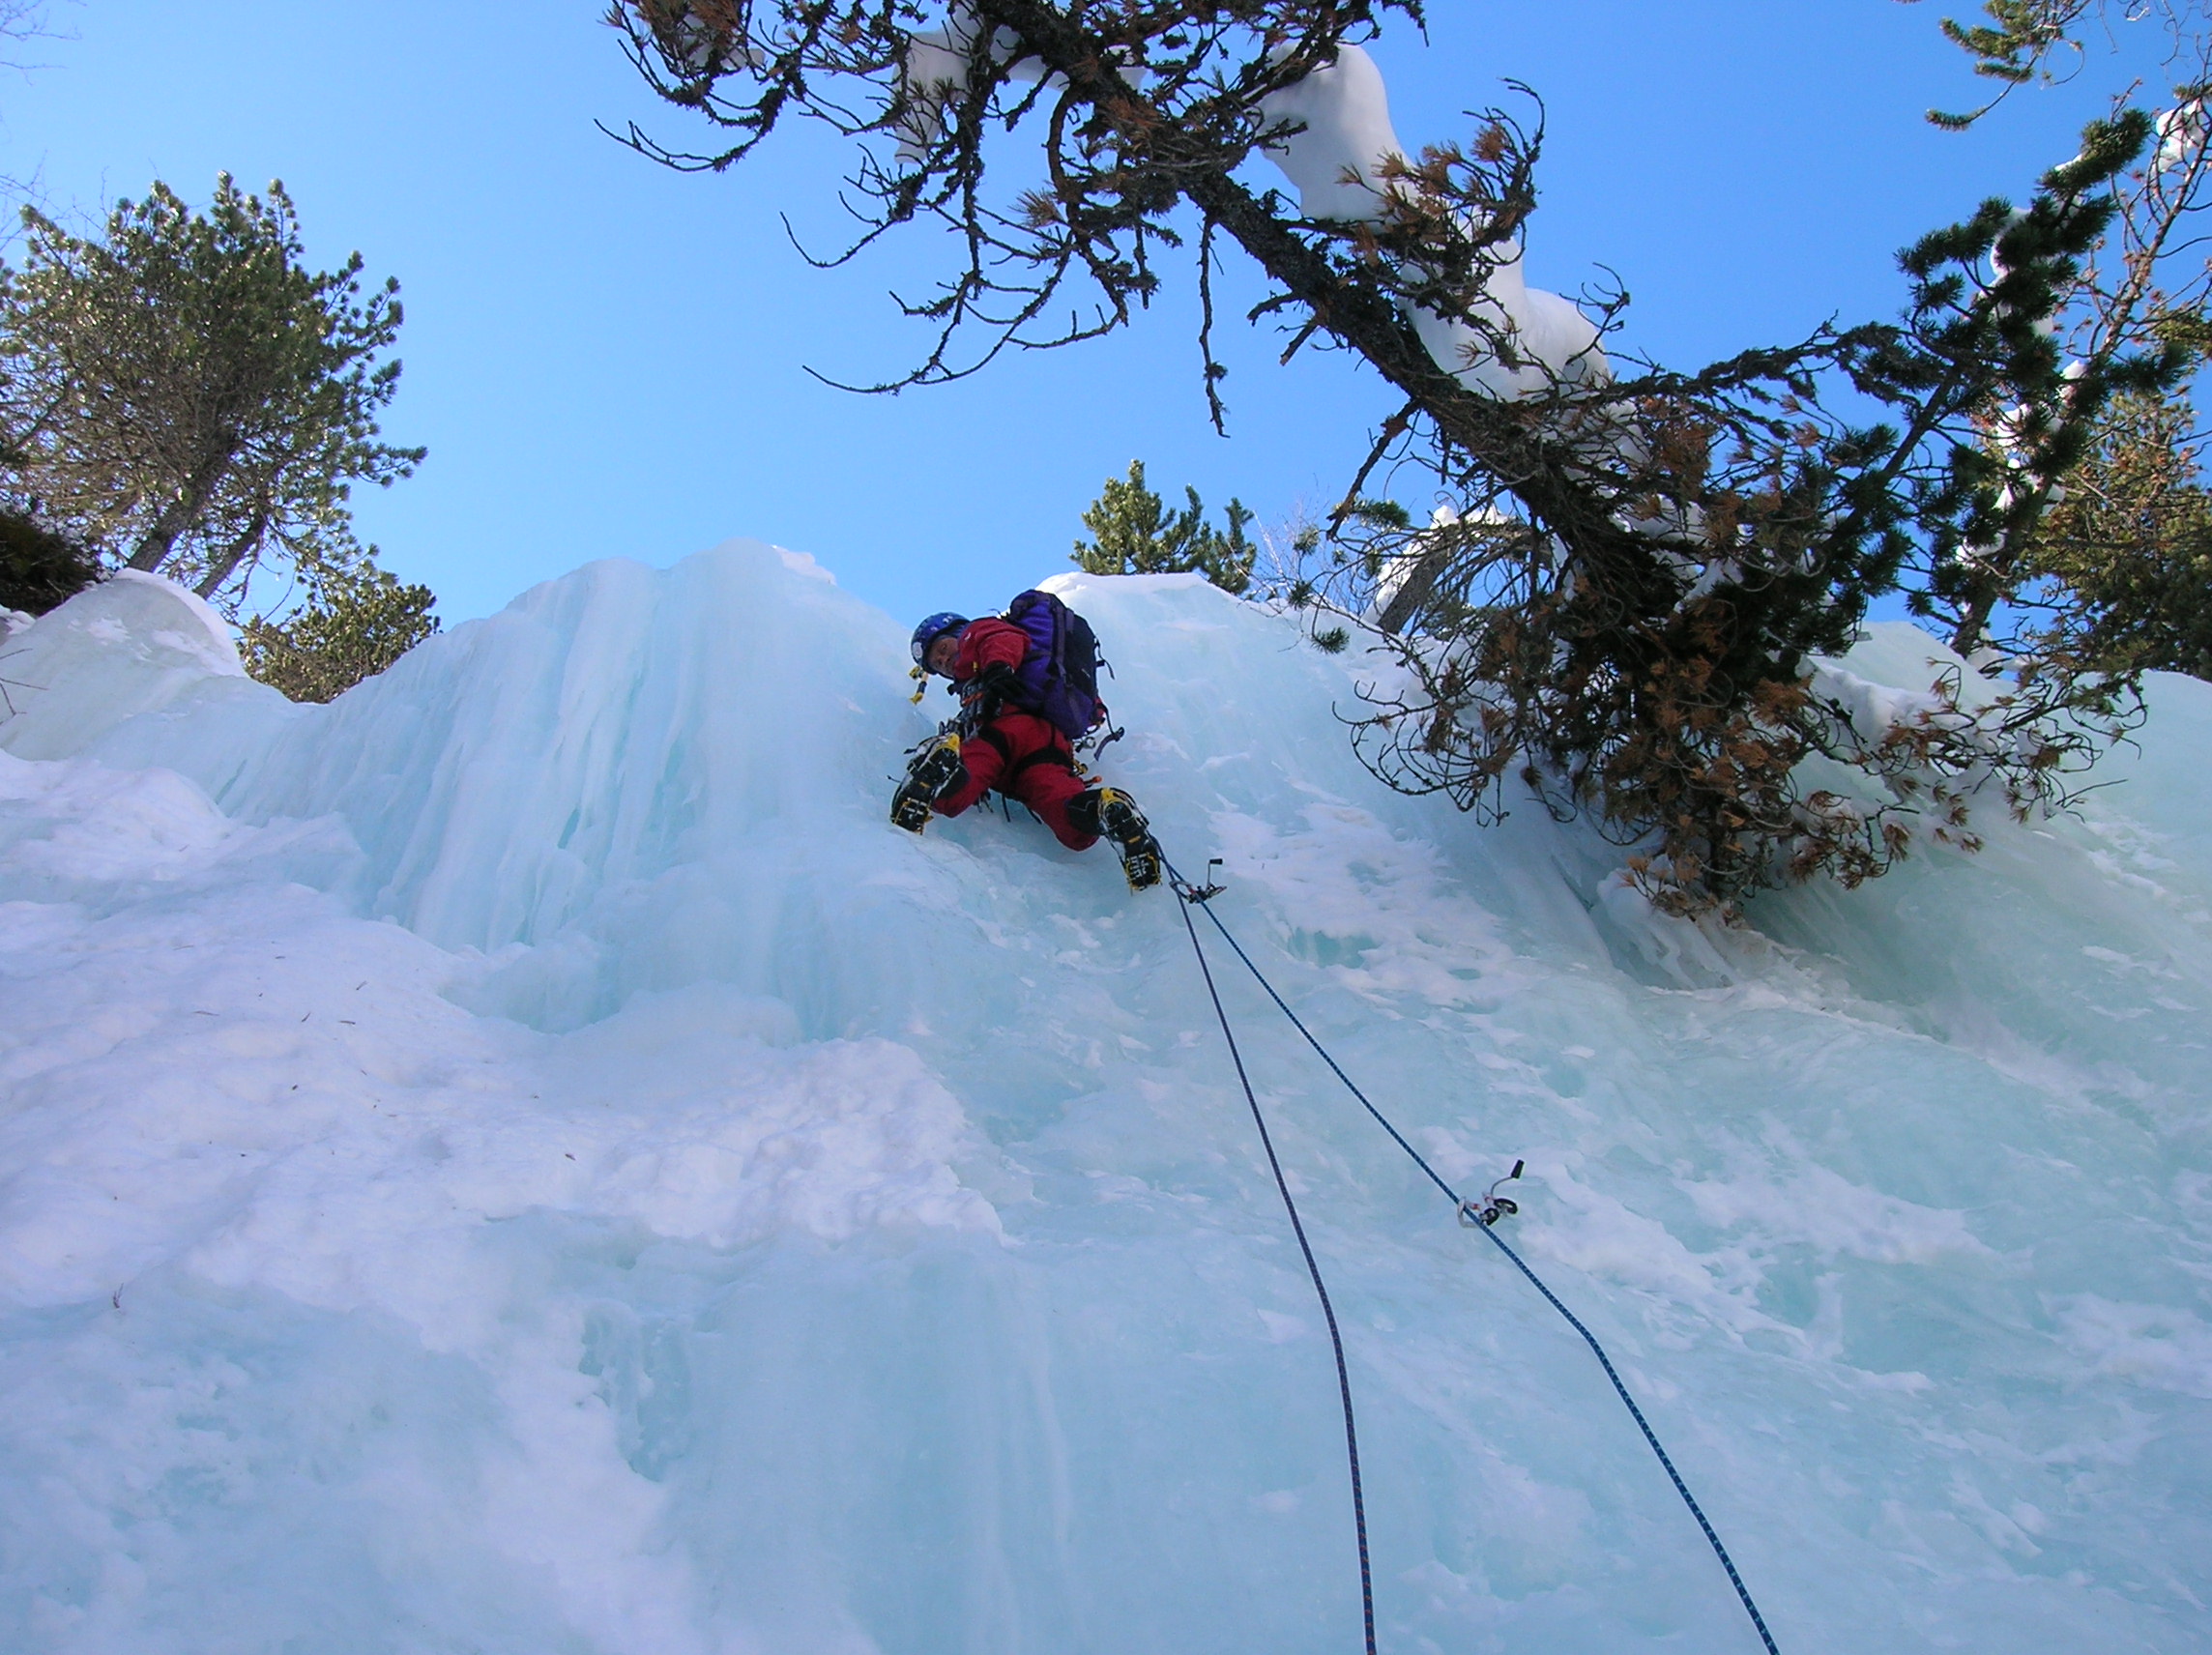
(527, 1159)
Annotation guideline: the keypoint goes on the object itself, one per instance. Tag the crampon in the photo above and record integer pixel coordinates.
(930, 774)
(1120, 820)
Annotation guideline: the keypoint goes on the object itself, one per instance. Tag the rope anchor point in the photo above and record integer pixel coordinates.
(1482, 1214)
(1205, 892)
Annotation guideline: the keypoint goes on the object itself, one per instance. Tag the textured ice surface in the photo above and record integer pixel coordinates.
(526, 1159)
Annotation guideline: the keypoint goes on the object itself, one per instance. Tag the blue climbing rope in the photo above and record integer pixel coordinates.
(1649, 1435)
(1191, 896)
(1313, 1269)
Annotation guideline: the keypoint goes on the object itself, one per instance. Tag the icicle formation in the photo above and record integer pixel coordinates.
(1343, 161)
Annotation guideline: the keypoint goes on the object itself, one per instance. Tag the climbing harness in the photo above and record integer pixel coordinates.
(1483, 1215)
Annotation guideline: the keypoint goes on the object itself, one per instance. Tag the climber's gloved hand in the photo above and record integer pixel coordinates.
(994, 687)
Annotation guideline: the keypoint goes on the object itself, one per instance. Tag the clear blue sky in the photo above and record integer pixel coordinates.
(605, 357)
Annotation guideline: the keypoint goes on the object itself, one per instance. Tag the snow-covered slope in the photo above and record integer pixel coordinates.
(527, 1159)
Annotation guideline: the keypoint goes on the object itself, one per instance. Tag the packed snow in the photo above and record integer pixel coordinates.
(1338, 148)
(527, 1158)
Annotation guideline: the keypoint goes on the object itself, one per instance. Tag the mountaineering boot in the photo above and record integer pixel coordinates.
(934, 771)
(1116, 816)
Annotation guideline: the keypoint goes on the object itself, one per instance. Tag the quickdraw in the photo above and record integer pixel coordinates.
(1492, 1206)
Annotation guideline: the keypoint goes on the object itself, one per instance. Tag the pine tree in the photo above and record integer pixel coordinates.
(1137, 535)
(2119, 573)
(38, 568)
(182, 396)
(357, 619)
(2088, 555)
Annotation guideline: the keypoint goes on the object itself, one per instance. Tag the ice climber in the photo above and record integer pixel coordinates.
(1027, 688)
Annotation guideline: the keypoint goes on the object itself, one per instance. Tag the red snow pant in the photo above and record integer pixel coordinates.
(1025, 758)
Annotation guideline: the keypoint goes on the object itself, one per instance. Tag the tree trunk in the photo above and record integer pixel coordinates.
(1968, 638)
(1413, 591)
(182, 515)
(235, 553)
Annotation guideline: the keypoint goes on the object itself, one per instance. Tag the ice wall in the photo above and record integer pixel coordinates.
(525, 1159)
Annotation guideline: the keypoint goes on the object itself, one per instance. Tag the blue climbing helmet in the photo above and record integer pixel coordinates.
(932, 630)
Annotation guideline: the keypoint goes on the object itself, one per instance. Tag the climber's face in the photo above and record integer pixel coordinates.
(941, 651)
